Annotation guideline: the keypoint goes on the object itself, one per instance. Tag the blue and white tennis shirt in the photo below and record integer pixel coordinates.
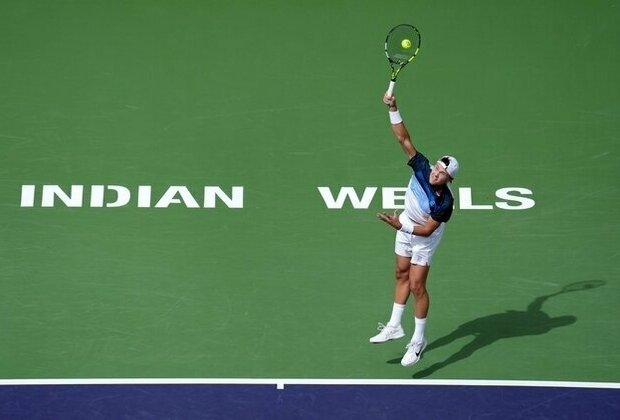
(421, 202)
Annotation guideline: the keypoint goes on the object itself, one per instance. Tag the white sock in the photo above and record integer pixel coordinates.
(397, 314)
(418, 333)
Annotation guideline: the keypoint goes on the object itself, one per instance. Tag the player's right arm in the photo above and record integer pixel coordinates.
(398, 127)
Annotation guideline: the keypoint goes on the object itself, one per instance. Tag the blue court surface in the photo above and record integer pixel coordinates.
(307, 399)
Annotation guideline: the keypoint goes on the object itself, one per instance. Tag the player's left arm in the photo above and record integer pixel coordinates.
(425, 230)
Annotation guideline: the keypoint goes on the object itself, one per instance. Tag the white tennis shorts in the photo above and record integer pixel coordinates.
(420, 249)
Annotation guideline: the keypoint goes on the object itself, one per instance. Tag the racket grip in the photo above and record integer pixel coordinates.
(390, 90)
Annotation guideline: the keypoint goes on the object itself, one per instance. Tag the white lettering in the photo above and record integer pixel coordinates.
(169, 197)
(504, 194)
(465, 201)
(390, 196)
(97, 193)
(50, 192)
(111, 196)
(27, 196)
(233, 202)
(144, 196)
(394, 198)
(347, 192)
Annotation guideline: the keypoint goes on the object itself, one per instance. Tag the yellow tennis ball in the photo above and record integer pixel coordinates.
(405, 43)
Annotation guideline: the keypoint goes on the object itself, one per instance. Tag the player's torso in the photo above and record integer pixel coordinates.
(421, 200)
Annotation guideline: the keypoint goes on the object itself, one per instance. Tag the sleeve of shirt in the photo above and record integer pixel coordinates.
(442, 215)
(419, 162)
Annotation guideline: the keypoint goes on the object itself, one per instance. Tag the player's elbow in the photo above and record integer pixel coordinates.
(402, 139)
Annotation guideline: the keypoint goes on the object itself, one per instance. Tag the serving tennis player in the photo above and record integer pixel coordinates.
(428, 207)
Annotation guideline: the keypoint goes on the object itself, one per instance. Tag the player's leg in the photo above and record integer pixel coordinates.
(393, 330)
(417, 281)
(402, 287)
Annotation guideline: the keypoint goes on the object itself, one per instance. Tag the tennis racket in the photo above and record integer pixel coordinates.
(401, 47)
(581, 285)
(578, 287)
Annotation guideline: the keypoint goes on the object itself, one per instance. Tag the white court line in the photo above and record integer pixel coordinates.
(281, 383)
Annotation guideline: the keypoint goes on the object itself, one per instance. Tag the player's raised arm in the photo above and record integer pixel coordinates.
(398, 127)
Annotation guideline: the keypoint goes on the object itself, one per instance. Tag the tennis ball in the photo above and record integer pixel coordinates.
(405, 43)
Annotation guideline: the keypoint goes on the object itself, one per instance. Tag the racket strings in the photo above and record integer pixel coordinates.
(402, 44)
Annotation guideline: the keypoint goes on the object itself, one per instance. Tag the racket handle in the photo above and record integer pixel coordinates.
(390, 90)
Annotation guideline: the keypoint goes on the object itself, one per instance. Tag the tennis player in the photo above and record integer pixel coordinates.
(428, 207)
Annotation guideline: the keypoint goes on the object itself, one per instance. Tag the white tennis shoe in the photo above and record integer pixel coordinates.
(414, 352)
(387, 333)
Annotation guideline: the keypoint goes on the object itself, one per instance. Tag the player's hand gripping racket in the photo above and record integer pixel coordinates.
(401, 46)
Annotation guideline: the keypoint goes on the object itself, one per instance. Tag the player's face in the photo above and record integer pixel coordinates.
(439, 175)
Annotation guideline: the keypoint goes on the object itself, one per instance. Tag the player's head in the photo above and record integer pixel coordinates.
(444, 170)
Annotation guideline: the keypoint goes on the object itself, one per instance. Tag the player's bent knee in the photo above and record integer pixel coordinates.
(402, 273)
(402, 277)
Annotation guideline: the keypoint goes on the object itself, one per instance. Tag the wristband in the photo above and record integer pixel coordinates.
(395, 117)
(407, 228)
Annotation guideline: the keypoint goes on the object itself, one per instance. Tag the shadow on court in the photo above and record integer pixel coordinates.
(489, 329)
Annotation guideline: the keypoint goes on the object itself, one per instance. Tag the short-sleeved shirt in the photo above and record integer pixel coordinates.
(421, 201)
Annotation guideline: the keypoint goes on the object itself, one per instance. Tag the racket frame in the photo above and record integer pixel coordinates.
(396, 65)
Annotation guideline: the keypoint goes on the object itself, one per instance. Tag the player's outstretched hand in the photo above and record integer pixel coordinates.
(390, 219)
